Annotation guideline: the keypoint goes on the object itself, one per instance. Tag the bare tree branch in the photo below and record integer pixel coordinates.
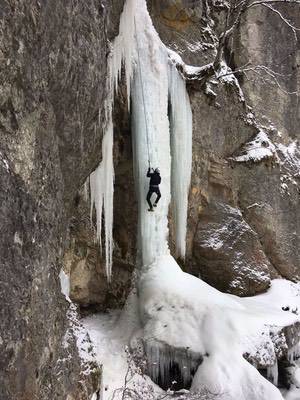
(257, 2)
(258, 69)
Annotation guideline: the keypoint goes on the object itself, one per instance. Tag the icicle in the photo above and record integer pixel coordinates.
(162, 358)
(150, 106)
(97, 194)
(124, 46)
(272, 373)
(102, 179)
(181, 146)
(294, 352)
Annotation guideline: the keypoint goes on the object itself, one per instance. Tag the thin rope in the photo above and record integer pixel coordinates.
(143, 94)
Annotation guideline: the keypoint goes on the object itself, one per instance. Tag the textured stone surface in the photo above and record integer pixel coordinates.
(266, 192)
(228, 253)
(52, 91)
(265, 40)
(85, 264)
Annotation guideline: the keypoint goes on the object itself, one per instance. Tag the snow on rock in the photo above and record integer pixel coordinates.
(172, 301)
(291, 153)
(190, 71)
(182, 319)
(83, 342)
(94, 396)
(111, 334)
(226, 76)
(294, 379)
(289, 159)
(233, 378)
(256, 150)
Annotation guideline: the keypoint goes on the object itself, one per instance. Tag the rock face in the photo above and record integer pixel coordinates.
(228, 252)
(230, 118)
(243, 226)
(52, 91)
(265, 190)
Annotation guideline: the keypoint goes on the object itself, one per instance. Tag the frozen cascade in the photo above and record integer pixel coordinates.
(176, 310)
(181, 125)
(138, 44)
(155, 82)
(152, 79)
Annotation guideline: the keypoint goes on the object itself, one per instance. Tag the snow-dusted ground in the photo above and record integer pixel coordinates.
(180, 310)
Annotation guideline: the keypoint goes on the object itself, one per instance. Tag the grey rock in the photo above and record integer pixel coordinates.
(228, 254)
(52, 91)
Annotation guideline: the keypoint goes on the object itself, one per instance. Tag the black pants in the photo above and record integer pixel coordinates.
(153, 189)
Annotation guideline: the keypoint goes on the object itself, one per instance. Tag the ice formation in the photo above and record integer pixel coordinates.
(163, 359)
(177, 311)
(65, 284)
(181, 149)
(182, 312)
(151, 77)
(156, 82)
(272, 373)
(102, 190)
(102, 179)
(150, 81)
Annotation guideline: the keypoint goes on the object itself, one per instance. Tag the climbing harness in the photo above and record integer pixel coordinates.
(143, 94)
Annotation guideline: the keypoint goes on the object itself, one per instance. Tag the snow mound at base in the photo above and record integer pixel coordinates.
(182, 311)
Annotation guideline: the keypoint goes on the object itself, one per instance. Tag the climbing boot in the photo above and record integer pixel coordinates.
(150, 209)
(154, 205)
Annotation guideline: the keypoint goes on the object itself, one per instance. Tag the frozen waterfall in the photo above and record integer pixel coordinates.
(182, 321)
(151, 78)
(152, 81)
(181, 147)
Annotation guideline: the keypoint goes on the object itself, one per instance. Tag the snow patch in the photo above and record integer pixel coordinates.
(226, 76)
(257, 149)
(84, 345)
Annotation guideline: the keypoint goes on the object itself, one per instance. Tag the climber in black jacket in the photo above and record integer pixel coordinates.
(155, 180)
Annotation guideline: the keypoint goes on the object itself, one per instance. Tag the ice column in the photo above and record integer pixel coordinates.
(150, 106)
(272, 373)
(181, 149)
(142, 53)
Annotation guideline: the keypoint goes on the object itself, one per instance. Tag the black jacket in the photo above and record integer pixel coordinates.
(155, 178)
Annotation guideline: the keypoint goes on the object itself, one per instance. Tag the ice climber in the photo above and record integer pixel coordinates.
(155, 180)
